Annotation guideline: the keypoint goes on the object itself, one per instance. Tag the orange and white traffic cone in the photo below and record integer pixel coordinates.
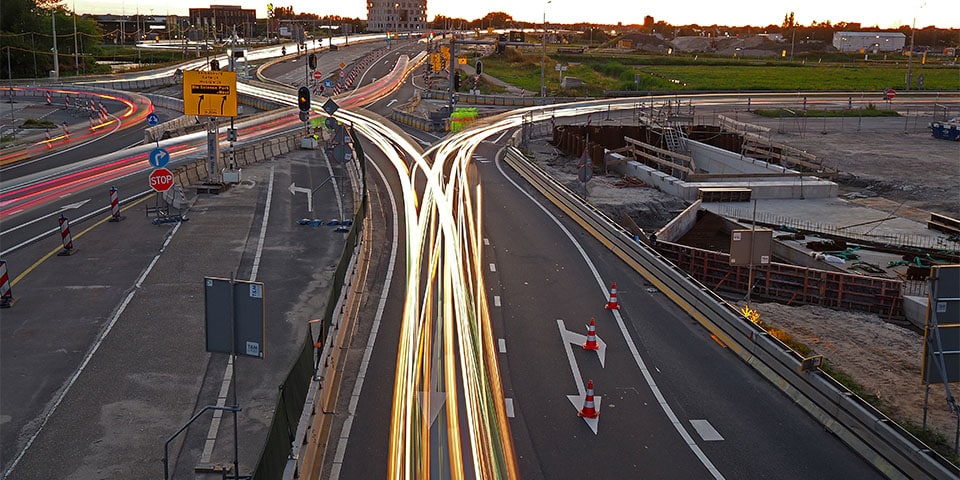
(591, 343)
(589, 410)
(613, 304)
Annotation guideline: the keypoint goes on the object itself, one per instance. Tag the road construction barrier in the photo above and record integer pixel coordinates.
(6, 294)
(68, 248)
(115, 205)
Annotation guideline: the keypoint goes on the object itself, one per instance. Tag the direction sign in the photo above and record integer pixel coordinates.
(161, 179)
(153, 120)
(317, 75)
(212, 94)
(159, 157)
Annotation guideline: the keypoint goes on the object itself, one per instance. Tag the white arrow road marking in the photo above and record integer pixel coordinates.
(294, 189)
(437, 399)
(70, 206)
(391, 102)
(577, 400)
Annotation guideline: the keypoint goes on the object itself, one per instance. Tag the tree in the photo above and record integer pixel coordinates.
(788, 20)
(497, 20)
(27, 40)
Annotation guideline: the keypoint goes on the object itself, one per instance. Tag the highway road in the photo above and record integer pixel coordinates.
(674, 402)
(116, 326)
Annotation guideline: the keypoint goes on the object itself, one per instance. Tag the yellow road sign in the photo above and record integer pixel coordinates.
(461, 60)
(435, 61)
(445, 51)
(210, 94)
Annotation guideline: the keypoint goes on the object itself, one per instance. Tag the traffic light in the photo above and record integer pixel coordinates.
(456, 81)
(214, 64)
(312, 61)
(303, 99)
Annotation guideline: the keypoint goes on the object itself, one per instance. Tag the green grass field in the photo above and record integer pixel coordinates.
(669, 74)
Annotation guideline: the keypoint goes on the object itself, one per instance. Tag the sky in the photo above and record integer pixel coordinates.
(939, 13)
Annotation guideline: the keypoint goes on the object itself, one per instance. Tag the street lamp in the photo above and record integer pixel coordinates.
(543, 57)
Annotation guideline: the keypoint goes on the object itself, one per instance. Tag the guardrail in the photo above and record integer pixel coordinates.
(887, 446)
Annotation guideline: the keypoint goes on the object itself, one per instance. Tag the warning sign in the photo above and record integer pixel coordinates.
(210, 94)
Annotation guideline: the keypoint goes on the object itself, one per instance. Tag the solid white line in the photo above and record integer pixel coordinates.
(505, 132)
(214, 429)
(502, 345)
(623, 330)
(508, 403)
(368, 351)
(86, 359)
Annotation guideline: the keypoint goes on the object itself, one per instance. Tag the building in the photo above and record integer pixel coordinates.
(218, 21)
(396, 15)
(869, 42)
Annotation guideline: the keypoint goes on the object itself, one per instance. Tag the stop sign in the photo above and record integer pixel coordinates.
(161, 179)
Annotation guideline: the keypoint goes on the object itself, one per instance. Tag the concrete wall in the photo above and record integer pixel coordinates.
(717, 160)
(680, 225)
(726, 162)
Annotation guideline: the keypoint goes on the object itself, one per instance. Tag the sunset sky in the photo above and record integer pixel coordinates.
(940, 13)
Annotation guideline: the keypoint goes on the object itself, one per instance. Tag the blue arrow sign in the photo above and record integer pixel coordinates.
(159, 157)
(153, 120)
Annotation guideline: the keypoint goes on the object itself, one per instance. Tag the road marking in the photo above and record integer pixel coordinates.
(496, 300)
(706, 431)
(214, 430)
(577, 400)
(486, 241)
(96, 345)
(371, 340)
(502, 345)
(508, 403)
(648, 378)
(493, 267)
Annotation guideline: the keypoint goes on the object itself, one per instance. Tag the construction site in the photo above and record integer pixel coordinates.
(853, 233)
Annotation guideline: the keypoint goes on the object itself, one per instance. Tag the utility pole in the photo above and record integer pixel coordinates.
(76, 43)
(913, 30)
(56, 57)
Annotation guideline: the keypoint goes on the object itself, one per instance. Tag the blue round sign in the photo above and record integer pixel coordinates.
(153, 120)
(159, 157)
(328, 83)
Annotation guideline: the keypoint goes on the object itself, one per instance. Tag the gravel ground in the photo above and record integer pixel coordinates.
(893, 165)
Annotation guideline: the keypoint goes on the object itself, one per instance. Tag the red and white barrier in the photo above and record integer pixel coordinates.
(68, 248)
(6, 294)
(115, 205)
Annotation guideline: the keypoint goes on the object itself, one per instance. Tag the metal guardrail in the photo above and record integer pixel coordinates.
(891, 449)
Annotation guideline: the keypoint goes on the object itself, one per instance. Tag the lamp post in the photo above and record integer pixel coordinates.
(543, 56)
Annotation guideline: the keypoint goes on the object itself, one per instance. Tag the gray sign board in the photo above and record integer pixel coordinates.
(942, 333)
(234, 316)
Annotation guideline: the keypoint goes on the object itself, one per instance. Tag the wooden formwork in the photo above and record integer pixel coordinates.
(789, 284)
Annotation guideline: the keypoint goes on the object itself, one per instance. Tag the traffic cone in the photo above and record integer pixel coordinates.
(589, 410)
(613, 304)
(591, 343)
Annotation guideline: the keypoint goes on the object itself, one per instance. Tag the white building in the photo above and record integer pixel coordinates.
(872, 42)
(396, 15)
